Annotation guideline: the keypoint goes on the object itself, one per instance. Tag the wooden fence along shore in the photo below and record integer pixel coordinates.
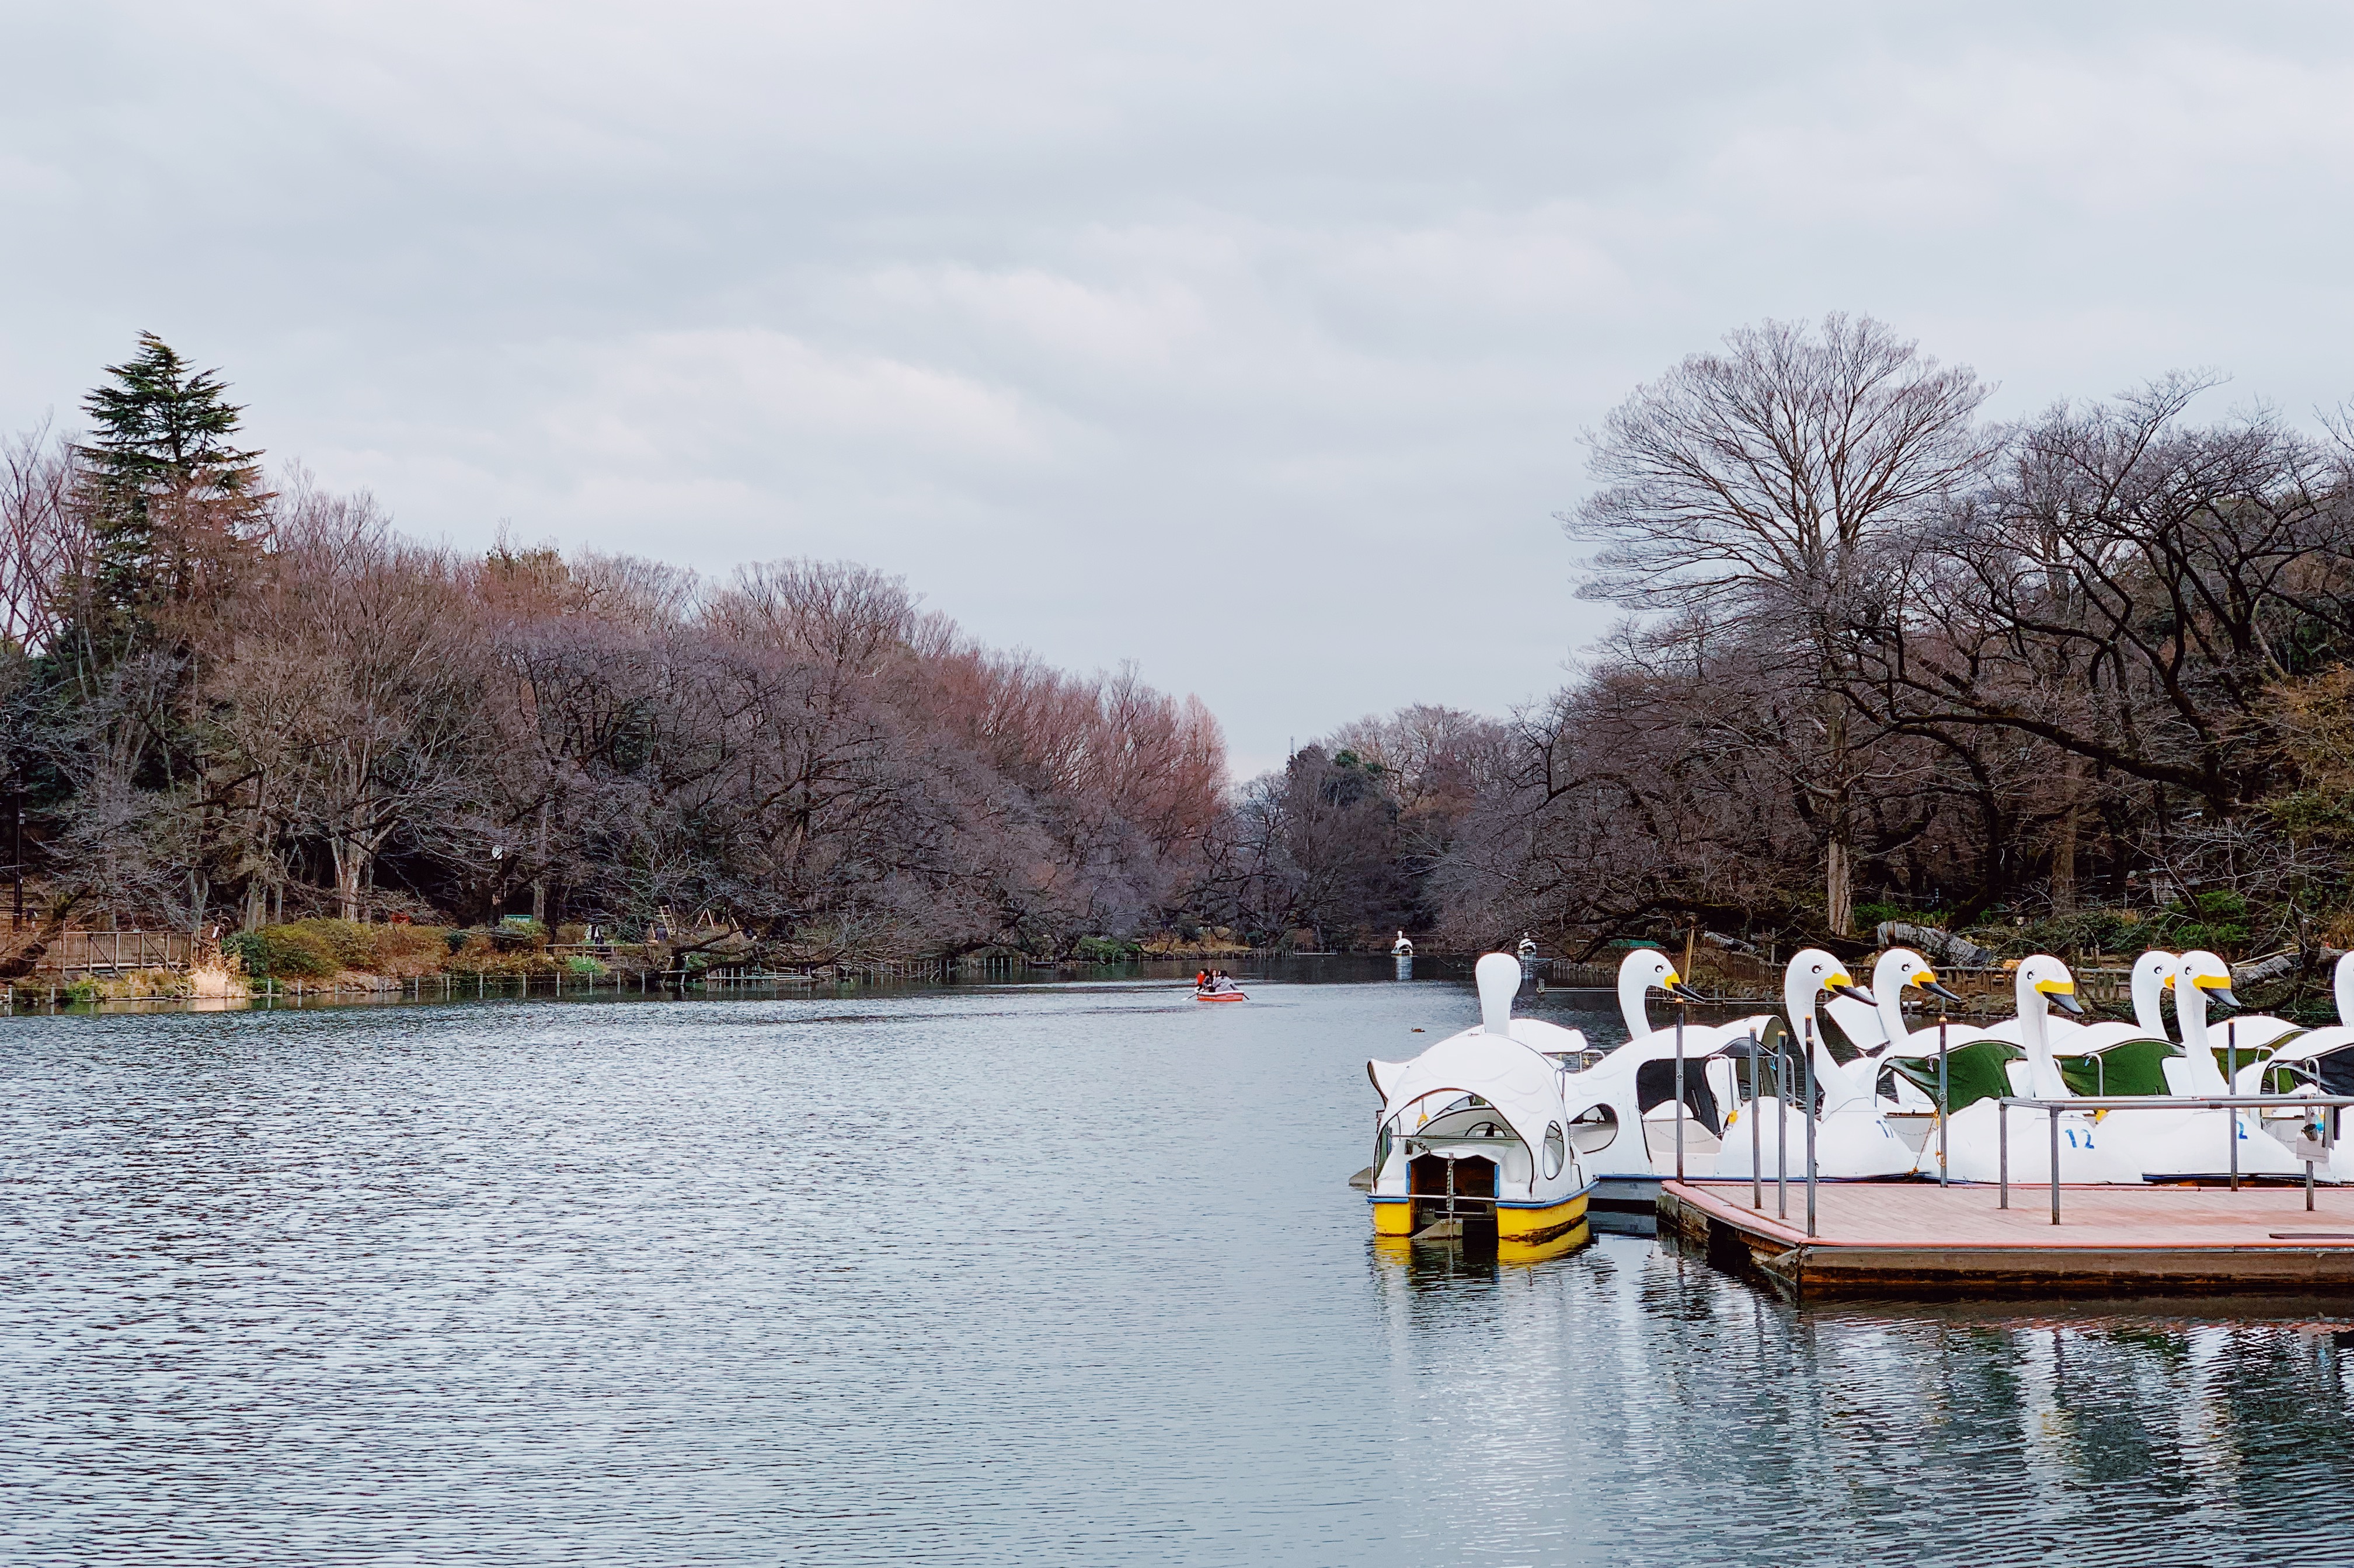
(88, 955)
(1731, 979)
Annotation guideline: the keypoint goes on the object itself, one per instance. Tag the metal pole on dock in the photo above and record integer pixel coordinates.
(2054, 1111)
(1757, 1133)
(2002, 1150)
(1945, 1098)
(2231, 1086)
(1781, 1135)
(1811, 1127)
(1683, 1009)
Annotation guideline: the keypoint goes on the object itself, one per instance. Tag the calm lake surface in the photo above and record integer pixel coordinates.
(1062, 1275)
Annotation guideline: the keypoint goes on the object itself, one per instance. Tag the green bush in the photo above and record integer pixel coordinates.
(1105, 949)
(2114, 931)
(2217, 921)
(304, 949)
(582, 964)
(511, 935)
(1869, 916)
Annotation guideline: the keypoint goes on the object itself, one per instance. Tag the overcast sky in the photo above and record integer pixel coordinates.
(1251, 342)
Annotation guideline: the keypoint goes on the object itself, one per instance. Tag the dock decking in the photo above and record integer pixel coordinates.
(1915, 1241)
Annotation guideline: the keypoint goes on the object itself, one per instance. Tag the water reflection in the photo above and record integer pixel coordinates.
(1697, 1419)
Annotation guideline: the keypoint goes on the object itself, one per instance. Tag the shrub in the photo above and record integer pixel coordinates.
(511, 935)
(2096, 930)
(404, 950)
(2217, 921)
(318, 950)
(1105, 949)
(1869, 916)
(296, 951)
(582, 964)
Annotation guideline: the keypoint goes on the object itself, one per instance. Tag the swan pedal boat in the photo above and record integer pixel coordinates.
(1472, 1138)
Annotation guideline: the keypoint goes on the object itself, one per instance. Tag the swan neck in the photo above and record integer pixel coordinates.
(2149, 1011)
(2346, 990)
(1799, 1003)
(2191, 1008)
(1891, 1014)
(1633, 987)
(2043, 1073)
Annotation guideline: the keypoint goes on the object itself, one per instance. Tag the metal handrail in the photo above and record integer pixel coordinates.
(2155, 1102)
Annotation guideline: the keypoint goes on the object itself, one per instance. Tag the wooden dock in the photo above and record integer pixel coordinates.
(1915, 1241)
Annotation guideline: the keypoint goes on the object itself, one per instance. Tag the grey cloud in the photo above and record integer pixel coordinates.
(1249, 341)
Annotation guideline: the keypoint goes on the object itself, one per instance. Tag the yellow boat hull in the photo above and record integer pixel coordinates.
(1521, 1223)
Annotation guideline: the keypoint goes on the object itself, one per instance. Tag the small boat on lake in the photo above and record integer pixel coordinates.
(1232, 993)
(1472, 1139)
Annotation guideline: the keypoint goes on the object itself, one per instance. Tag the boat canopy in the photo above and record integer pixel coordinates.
(1515, 1079)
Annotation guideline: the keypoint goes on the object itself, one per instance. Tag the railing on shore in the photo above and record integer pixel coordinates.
(54, 991)
(73, 953)
(1739, 980)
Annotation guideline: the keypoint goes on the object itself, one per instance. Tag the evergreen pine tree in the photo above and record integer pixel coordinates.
(174, 505)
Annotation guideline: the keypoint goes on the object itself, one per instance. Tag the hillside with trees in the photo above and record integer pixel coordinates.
(2078, 681)
(234, 705)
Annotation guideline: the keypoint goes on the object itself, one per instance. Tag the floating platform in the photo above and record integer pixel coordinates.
(1915, 1241)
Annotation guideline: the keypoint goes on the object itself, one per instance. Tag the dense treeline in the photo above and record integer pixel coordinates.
(1890, 660)
(231, 706)
(1883, 658)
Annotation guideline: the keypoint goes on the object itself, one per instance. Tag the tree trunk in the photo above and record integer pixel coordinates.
(2063, 863)
(348, 861)
(1838, 850)
(351, 854)
(2063, 840)
(539, 880)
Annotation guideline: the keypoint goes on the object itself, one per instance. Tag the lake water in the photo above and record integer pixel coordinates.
(1052, 1275)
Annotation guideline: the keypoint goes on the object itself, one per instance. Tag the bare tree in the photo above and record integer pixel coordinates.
(1767, 482)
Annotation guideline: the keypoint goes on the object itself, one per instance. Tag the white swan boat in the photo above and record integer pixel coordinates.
(1622, 1108)
(1852, 1139)
(1472, 1137)
(2320, 1061)
(1973, 1131)
(2168, 1144)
